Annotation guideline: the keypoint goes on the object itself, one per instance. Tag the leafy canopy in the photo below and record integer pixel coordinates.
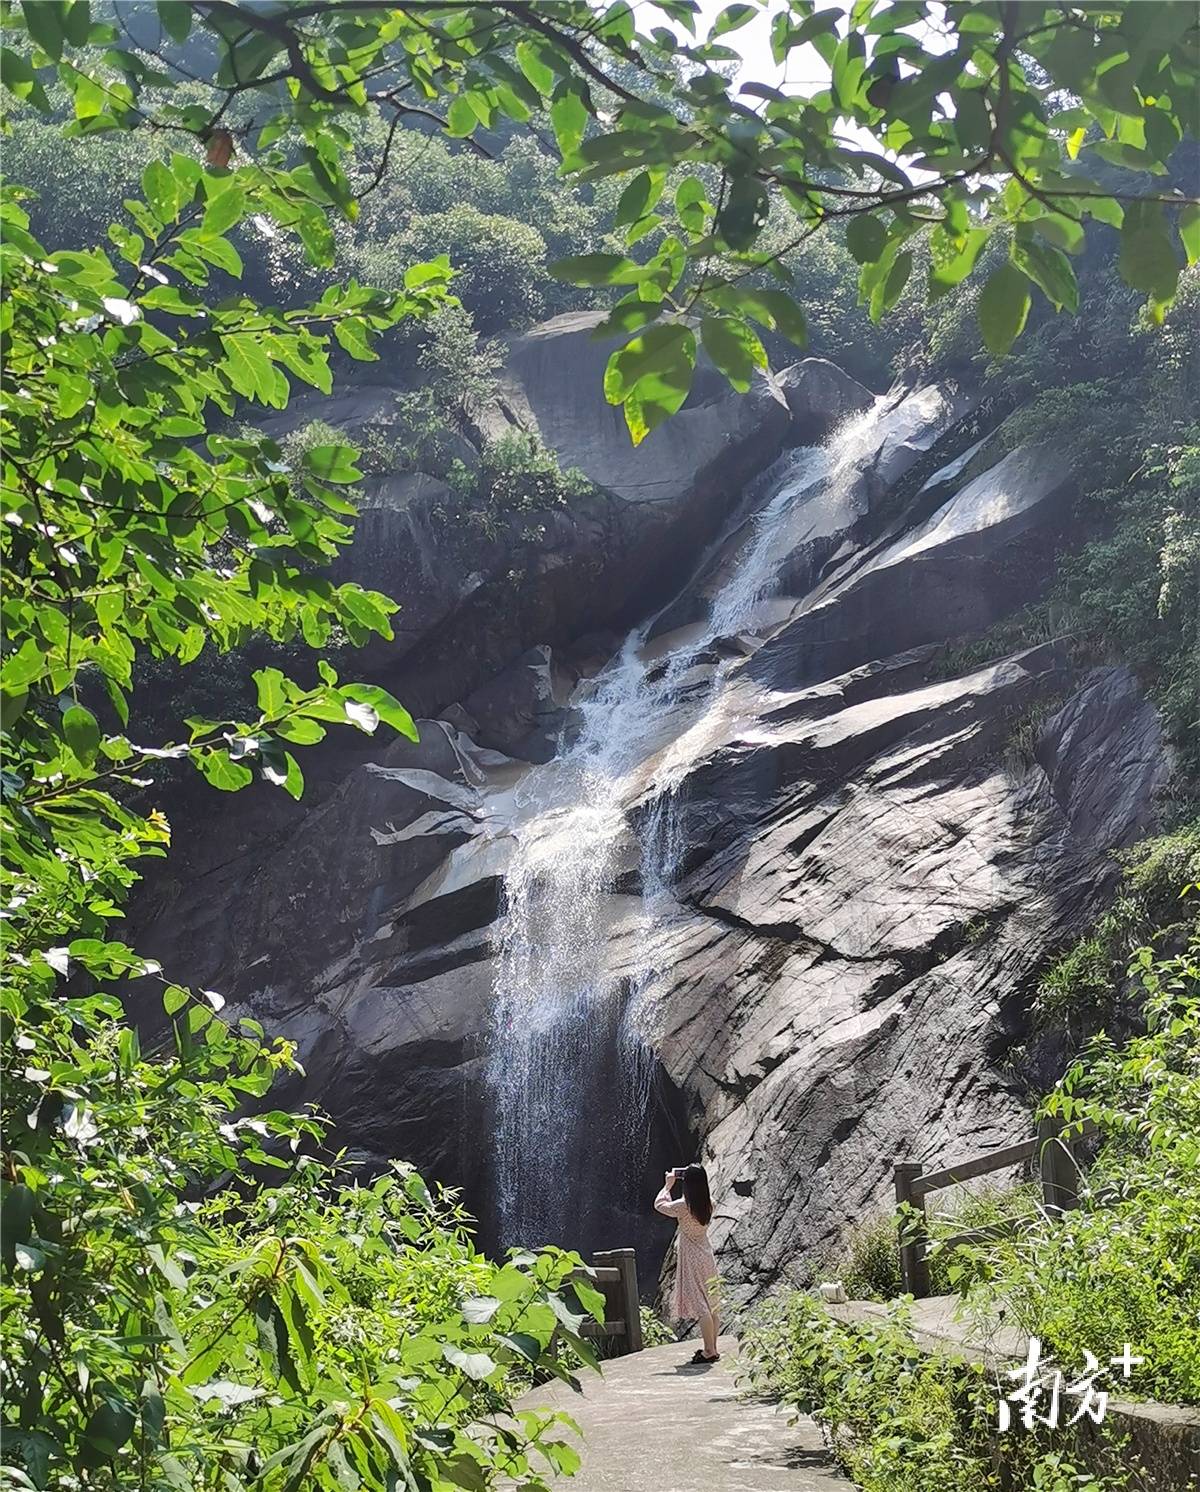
(168, 1322)
(957, 122)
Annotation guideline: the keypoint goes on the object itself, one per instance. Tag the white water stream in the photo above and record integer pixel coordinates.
(562, 1013)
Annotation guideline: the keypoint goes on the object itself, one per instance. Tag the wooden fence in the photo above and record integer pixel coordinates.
(614, 1274)
(1058, 1167)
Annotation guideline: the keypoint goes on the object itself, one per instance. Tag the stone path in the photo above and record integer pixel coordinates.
(652, 1424)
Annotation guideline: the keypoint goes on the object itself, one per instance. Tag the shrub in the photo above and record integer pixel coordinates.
(1125, 1265)
(187, 1301)
(868, 1259)
(1087, 987)
(517, 476)
(898, 1419)
(655, 1331)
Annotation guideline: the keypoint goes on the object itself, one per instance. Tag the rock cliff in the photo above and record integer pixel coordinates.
(766, 880)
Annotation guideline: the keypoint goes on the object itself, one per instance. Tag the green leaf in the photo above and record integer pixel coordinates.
(21, 80)
(82, 733)
(866, 238)
(692, 205)
(460, 119)
(638, 197)
(332, 463)
(26, 666)
(734, 348)
(273, 1338)
(598, 269)
(161, 190)
(222, 772)
(1003, 308)
(953, 258)
(744, 214)
(1148, 261)
(531, 60)
(1049, 269)
(272, 690)
(568, 117)
(289, 777)
(890, 287)
(352, 337)
(731, 18)
(226, 205)
(388, 708)
(44, 21)
(108, 1428)
(176, 25)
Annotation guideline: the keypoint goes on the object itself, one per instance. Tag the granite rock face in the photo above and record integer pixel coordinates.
(866, 870)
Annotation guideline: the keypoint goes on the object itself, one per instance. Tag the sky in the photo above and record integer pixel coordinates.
(753, 41)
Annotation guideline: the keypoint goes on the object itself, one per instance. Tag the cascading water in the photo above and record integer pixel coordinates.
(566, 1033)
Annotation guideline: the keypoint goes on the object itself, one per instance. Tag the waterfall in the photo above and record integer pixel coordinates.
(565, 1021)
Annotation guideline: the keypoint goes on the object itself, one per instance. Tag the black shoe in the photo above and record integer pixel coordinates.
(699, 1356)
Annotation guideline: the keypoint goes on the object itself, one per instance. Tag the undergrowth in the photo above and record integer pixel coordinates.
(900, 1420)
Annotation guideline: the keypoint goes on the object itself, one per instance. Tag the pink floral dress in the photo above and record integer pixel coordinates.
(695, 1263)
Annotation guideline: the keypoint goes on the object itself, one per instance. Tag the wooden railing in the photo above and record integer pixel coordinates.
(1058, 1168)
(614, 1274)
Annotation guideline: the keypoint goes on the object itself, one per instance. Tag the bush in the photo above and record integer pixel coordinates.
(898, 1419)
(517, 476)
(1088, 988)
(655, 1331)
(188, 1301)
(1124, 1266)
(868, 1260)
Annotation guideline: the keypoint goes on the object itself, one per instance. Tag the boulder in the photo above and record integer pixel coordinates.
(519, 712)
(552, 381)
(819, 396)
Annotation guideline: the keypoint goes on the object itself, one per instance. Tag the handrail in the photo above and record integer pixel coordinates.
(616, 1278)
(935, 1181)
(1058, 1167)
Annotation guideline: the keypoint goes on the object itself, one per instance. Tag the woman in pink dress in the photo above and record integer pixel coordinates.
(695, 1266)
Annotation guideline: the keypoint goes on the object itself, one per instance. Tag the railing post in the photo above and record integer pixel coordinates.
(626, 1294)
(914, 1266)
(1058, 1167)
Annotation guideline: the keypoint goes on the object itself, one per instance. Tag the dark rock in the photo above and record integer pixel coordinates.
(518, 711)
(819, 396)
(864, 883)
(1099, 752)
(551, 383)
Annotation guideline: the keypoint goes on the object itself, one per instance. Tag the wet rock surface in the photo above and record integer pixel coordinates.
(871, 862)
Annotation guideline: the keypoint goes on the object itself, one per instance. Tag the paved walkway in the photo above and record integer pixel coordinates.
(652, 1424)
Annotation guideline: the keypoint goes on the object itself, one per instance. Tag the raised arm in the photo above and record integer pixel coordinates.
(663, 1202)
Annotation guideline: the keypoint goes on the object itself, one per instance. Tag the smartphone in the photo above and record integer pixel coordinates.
(679, 1172)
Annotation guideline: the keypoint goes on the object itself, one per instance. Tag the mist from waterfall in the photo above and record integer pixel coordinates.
(565, 1018)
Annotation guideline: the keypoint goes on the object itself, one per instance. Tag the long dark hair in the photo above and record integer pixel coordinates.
(695, 1194)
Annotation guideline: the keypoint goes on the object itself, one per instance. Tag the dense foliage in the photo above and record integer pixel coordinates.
(1090, 987)
(1124, 1267)
(166, 1322)
(194, 1294)
(171, 1321)
(1047, 107)
(902, 1420)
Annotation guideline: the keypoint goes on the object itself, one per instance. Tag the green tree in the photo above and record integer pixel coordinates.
(1059, 119)
(168, 1320)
